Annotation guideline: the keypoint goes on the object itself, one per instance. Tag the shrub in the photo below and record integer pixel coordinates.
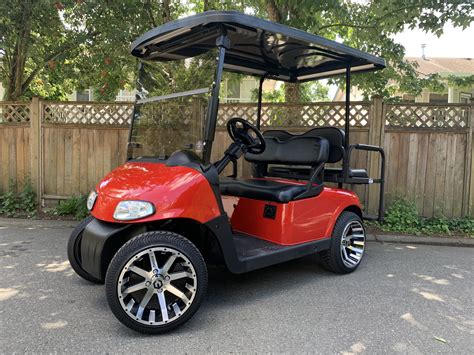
(402, 216)
(9, 204)
(73, 206)
(445, 225)
(28, 198)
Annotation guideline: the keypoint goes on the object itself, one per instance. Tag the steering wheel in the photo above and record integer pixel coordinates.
(241, 130)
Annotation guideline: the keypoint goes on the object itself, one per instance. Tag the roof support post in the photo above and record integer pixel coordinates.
(259, 104)
(348, 104)
(222, 44)
(345, 164)
(136, 110)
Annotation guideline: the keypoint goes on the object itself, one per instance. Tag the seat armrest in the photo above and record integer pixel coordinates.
(372, 148)
(369, 148)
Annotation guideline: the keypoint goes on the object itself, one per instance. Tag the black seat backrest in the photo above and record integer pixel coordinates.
(296, 150)
(335, 137)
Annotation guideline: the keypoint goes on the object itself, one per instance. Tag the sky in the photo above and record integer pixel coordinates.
(454, 43)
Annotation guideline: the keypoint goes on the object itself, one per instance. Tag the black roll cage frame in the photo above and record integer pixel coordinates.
(223, 44)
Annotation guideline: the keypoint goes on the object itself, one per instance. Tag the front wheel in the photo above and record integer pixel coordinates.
(156, 282)
(347, 244)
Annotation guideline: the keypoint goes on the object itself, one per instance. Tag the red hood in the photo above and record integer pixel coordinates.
(176, 191)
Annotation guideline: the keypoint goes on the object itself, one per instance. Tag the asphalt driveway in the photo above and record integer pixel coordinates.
(403, 298)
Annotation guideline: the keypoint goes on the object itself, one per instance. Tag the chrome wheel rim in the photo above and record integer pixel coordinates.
(352, 244)
(157, 286)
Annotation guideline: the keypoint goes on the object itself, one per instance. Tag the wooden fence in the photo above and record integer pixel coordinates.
(65, 148)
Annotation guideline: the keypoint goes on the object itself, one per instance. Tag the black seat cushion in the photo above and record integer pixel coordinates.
(267, 190)
(304, 173)
(335, 137)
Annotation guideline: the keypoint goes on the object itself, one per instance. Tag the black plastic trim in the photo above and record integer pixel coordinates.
(96, 250)
(273, 254)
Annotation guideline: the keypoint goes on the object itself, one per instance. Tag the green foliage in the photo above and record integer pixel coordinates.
(443, 225)
(402, 216)
(371, 26)
(12, 204)
(50, 47)
(73, 206)
(309, 92)
(9, 202)
(27, 201)
(463, 82)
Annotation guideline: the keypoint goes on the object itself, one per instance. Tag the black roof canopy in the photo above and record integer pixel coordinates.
(257, 47)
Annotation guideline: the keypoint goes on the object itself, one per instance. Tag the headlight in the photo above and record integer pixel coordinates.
(91, 200)
(128, 210)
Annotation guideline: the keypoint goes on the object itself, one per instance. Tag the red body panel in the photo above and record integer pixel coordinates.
(297, 221)
(176, 192)
(182, 192)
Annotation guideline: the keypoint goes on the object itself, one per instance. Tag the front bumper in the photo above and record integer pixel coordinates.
(100, 241)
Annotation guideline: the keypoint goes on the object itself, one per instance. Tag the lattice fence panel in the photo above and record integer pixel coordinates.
(116, 114)
(14, 112)
(427, 116)
(303, 115)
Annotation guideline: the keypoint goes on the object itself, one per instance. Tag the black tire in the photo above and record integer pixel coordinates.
(144, 243)
(74, 251)
(333, 259)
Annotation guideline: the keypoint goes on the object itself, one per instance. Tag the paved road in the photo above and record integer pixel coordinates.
(401, 299)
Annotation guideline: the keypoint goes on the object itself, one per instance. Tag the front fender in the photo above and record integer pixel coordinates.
(175, 191)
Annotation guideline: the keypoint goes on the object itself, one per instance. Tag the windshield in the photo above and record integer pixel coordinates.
(171, 104)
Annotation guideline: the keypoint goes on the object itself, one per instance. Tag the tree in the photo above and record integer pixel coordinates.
(371, 26)
(50, 47)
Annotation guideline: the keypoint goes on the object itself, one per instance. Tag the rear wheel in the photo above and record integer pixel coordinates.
(347, 244)
(156, 282)
(74, 251)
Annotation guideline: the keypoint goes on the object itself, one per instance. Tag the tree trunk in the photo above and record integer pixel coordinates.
(274, 13)
(15, 88)
(166, 11)
(292, 91)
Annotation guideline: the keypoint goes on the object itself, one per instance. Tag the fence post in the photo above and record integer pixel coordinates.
(35, 146)
(376, 137)
(469, 162)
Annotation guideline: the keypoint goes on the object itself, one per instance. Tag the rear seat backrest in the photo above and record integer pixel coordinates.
(335, 137)
(298, 150)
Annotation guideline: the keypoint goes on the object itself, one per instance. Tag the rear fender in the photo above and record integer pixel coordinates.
(350, 204)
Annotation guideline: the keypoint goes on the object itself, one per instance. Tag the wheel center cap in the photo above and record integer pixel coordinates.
(158, 284)
(157, 281)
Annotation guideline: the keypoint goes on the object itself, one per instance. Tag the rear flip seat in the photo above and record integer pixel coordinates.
(335, 137)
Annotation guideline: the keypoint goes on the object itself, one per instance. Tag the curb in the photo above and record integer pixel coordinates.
(422, 240)
(28, 222)
(371, 237)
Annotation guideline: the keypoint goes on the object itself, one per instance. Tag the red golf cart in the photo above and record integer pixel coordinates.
(157, 220)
